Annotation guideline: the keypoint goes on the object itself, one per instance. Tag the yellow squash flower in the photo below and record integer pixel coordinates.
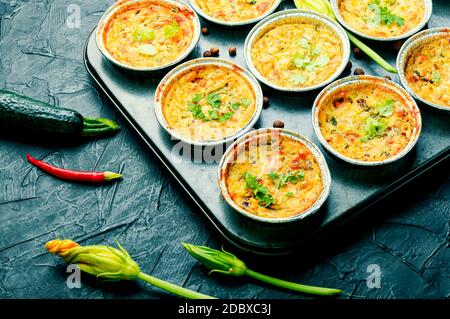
(112, 264)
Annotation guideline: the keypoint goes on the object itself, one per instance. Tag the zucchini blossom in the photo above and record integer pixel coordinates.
(112, 264)
(228, 264)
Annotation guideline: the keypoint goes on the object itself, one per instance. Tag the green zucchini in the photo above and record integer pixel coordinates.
(21, 114)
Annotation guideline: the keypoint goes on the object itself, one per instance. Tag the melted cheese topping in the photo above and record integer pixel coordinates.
(366, 122)
(235, 10)
(208, 103)
(428, 71)
(148, 33)
(366, 17)
(297, 55)
(271, 160)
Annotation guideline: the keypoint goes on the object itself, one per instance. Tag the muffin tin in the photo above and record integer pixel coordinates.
(195, 167)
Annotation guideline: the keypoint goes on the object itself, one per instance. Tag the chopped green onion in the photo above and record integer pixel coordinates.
(322, 60)
(303, 42)
(171, 30)
(386, 108)
(436, 77)
(246, 103)
(143, 34)
(298, 78)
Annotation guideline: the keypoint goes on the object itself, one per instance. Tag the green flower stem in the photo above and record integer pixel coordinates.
(293, 286)
(167, 286)
(371, 53)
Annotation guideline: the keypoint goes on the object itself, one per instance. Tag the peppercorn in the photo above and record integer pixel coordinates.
(358, 53)
(398, 45)
(278, 124)
(214, 51)
(232, 51)
(387, 77)
(358, 71)
(205, 31)
(207, 54)
(265, 102)
(348, 67)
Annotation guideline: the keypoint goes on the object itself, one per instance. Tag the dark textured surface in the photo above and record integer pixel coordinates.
(42, 57)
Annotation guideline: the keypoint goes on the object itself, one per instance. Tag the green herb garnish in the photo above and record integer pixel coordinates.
(305, 62)
(333, 121)
(213, 99)
(234, 106)
(289, 194)
(246, 103)
(386, 109)
(273, 175)
(197, 97)
(143, 34)
(316, 51)
(214, 114)
(374, 128)
(298, 78)
(171, 30)
(383, 15)
(300, 61)
(225, 116)
(289, 177)
(303, 42)
(260, 192)
(436, 77)
(196, 110)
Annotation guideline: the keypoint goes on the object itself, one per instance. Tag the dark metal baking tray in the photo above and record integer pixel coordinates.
(353, 188)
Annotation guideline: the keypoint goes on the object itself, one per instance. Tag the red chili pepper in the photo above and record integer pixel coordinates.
(92, 177)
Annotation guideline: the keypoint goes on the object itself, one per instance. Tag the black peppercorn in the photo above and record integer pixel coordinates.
(266, 102)
(398, 45)
(358, 71)
(214, 51)
(278, 124)
(358, 53)
(348, 67)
